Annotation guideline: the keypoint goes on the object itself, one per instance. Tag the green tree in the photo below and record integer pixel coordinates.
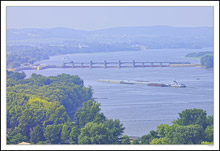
(37, 134)
(146, 139)
(210, 120)
(192, 117)
(163, 140)
(135, 141)
(116, 129)
(74, 135)
(154, 134)
(209, 133)
(207, 61)
(27, 121)
(162, 130)
(15, 75)
(17, 138)
(15, 105)
(125, 140)
(94, 133)
(53, 133)
(190, 134)
(66, 129)
(14, 136)
(89, 113)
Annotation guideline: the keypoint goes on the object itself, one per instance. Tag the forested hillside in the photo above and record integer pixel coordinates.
(28, 45)
(42, 110)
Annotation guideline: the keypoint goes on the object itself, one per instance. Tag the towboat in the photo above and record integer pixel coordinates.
(177, 85)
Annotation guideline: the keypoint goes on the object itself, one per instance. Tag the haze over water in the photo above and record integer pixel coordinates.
(142, 108)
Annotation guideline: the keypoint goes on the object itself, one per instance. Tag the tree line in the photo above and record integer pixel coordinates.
(206, 58)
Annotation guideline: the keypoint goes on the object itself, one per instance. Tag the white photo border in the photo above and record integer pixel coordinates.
(5, 4)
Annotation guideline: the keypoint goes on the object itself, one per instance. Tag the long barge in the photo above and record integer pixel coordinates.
(148, 83)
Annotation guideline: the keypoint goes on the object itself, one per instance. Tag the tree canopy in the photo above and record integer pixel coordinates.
(207, 61)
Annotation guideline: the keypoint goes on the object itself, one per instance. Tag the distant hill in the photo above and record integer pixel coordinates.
(150, 36)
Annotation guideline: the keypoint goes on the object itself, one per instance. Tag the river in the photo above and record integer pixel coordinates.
(142, 108)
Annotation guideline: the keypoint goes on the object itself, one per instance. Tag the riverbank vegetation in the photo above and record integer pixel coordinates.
(192, 127)
(23, 55)
(61, 110)
(206, 58)
(207, 61)
(45, 110)
(198, 54)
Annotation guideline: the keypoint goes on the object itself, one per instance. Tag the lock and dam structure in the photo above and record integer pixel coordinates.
(108, 64)
(120, 64)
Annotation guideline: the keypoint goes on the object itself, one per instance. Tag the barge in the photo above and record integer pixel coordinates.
(173, 84)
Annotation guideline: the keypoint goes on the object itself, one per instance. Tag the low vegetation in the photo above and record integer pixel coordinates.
(207, 61)
(206, 58)
(199, 54)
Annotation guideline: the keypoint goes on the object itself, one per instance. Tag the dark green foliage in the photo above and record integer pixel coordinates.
(210, 120)
(192, 116)
(37, 134)
(95, 128)
(190, 134)
(15, 75)
(209, 133)
(15, 136)
(192, 127)
(89, 113)
(135, 141)
(94, 133)
(146, 139)
(53, 133)
(74, 135)
(37, 109)
(162, 130)
(154, 134)
(207, 61)
(66, 89)
(27, 121)
(18, 138)
(125, 140)
(116, 129)
(66, 129)
(15, 105)
(13, 78)
(38, 112)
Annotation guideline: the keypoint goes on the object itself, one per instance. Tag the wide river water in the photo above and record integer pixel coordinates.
(142, 108)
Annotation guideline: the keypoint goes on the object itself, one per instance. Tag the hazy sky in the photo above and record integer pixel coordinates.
(91, 18)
